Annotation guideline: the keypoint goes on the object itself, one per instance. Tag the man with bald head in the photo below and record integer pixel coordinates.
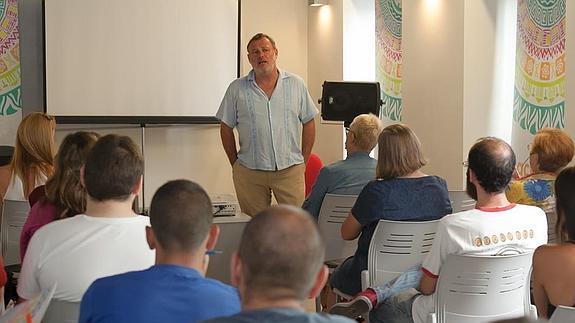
(278, 266)
(494, 225)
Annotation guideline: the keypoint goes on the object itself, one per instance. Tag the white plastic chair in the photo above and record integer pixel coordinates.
(551, 223)
(563, 314)
(62, 312)
(14, 216)
(395, 247)
(477, 289)
(460, 201)
(333, 212)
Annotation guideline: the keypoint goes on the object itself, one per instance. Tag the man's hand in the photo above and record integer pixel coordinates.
(307, 139)
(229, 142)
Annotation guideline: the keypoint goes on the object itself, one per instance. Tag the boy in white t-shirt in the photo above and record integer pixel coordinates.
(494, 225)
(108, 239)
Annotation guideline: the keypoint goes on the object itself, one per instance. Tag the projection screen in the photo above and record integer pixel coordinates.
(139, 58)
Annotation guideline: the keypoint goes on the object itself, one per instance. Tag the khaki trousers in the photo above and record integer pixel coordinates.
(254, 187)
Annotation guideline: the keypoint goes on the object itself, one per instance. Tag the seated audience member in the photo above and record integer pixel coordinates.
(348, 176)
(278, 265)
(33, 159)
(554, 264)
(174, 289)
(401, 192)
(494, 225)
(108, 239)
(551, 150)
(3, 276)
(65, 195)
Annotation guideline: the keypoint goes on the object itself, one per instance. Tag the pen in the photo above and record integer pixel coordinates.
(213, 252)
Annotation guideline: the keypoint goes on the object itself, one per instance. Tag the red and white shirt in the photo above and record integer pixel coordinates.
(482, 231)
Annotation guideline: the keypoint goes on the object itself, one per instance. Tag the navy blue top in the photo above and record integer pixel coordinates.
(397, 199)
(161, 293)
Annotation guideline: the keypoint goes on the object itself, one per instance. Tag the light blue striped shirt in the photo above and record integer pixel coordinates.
(347, 177)
(270, 130)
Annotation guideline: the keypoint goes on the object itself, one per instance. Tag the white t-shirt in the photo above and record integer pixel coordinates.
(76, 251)
(480, 232)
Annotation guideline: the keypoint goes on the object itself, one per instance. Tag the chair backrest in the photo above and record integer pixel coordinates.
(473, 289)
(62, 312)
(563, 314)
(460, 201)
(333, 212)
(551, 222)
(14, 216)
(396, 246)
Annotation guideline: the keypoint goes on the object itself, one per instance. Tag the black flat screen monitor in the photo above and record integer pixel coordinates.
(343, 101)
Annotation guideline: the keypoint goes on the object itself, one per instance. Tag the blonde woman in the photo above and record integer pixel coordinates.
(33, 159)
(401, 192)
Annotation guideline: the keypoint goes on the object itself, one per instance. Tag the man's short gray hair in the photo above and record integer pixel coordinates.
(281, 253)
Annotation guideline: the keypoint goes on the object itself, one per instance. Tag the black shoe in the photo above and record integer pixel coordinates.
(358, 306)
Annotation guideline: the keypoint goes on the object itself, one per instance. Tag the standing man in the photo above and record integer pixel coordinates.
(273, 113)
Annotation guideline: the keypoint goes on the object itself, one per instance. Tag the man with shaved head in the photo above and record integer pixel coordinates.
(494, 225)
(278, 266)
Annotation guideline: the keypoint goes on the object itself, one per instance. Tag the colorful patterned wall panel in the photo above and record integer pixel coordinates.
(388, 55)
(540, 65)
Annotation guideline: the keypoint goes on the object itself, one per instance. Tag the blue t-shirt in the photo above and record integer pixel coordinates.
(398, 199)
(162, 293)
(284, 315)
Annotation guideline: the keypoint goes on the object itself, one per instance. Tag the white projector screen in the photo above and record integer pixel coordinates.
(139, 58)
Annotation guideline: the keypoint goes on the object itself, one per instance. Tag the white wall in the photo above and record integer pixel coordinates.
(325, 58)
(489, 62)
(286, 22)
(458, 77)
(432, 82)
(359, 40)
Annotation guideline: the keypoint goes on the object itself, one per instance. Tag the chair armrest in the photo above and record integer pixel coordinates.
(364, 279)
(431, 318)
(532, 312)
